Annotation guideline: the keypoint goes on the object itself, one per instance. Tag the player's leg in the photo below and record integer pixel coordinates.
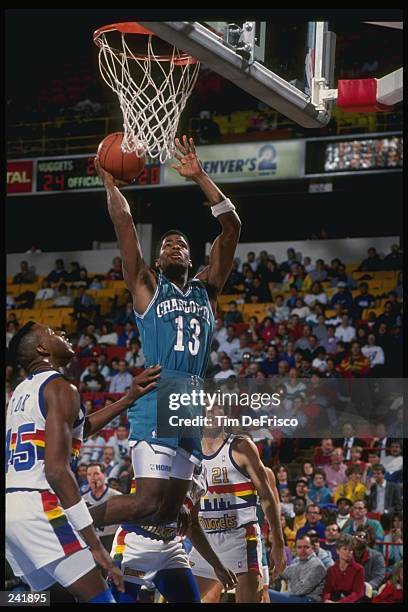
(205, 585)
(131, 594)
(214, 594)
(182, 469)
(177, 585)
(249, 588)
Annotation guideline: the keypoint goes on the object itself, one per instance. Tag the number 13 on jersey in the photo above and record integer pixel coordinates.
(193, 344)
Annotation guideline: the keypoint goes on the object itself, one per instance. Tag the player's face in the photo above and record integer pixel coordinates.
(174, 255)
(56, 345)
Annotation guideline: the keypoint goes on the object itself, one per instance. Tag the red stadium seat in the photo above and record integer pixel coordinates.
(116, 351)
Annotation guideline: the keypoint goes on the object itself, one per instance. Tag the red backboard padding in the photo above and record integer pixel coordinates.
(359, 96)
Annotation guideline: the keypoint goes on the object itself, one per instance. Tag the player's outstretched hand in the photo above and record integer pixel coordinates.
(183, 521)
(189, 166)
(144, 382)
(226, 576)
(278, 559)
(104, 560)
(106, 177)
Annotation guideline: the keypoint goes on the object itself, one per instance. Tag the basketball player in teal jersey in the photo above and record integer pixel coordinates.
(175, 319)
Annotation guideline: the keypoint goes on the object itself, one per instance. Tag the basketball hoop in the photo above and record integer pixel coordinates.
(152, 87)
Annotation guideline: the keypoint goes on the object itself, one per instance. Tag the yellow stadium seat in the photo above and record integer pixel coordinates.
(14, 289)
(41, 304)
(257, 310)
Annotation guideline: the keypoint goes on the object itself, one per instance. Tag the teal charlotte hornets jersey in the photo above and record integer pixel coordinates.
(177, 327)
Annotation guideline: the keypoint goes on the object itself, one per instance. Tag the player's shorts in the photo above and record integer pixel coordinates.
(141, 558)
(149, 416)
(155, 461)
(238, 549)
(41, 545)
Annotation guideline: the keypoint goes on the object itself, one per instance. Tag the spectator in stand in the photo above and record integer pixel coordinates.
(26, 276)
(272, 274)
(307, 264)
(93, 379)
(301, 309)
(267, 329)
(359, 520)
(319, 493)
(314, 522)
(336, 319)
(244, 348)
(341, 353)
(319, 363)
(286, 265)
(103, 365)
(262, 263)
(253, 329)
(393, 261)
(83, 281)
(220, 331)
(10, 303)
(225, 369)
(299, 508)
(399, 286)
(291, 301)
(115, 273)
(279, 311)
(89, 344)
(98, 493)
(362, 300)
(46, 292)
(249, 276)
(128, 335)
(390, 316)
(303, 342)
(135, 356)
(319, 274)
(293, 387)
(310, 352)
(355, 460)
(396, 429)
(253, 264)
(392, 592)
(308, 471)
(393, 463)
(288, 355)
(331, 534)
(329, 343)
(342, 297)
(231, 343)
(304, 579)
(258, 293)
(123, 379)
(316, 295)
(11, 330)
(336, 470)
(25, 299)
(372, 263)
(372, 560)
(126, 315)
(348, 440)
(270, 365)
(96, 282)
(286, 504)
(120, 443)
(82, 479)
(288, 533)
(353, 488)
(322, 554)
(333, 269)
(59, 273)
(233, 315)
(345, 579)
(384, 496)
(63, 299)
(109, 463)
(281, 475)
(90, 330)
(356, 365)
(343, 277)
(84, 304)
(395, 538)
(73, 275)
(344, 507)
(108, 336)
(235, 280)
(322, 454)
(92, 448)
(375, 355)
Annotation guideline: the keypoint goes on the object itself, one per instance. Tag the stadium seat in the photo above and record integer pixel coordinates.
(116, 351)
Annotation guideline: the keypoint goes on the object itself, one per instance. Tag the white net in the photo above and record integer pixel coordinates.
(152, 91)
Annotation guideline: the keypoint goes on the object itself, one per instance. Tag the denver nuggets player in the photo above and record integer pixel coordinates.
(175, 318)
(50, 537)
(227, 514)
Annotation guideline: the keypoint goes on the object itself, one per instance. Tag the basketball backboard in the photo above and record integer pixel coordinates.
(291, 69)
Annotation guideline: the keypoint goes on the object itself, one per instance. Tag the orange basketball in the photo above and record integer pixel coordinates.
(122, 166)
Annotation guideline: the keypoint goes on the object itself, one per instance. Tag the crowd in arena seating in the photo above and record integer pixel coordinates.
(304, 327)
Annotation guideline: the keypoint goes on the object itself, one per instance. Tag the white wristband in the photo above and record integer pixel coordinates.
(79, 515)
(222, 207)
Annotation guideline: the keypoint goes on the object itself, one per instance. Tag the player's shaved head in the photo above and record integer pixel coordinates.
(22, 347)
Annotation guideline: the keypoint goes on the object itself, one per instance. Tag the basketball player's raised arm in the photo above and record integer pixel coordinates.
(246, 454)
(201, 544)
(142, 383)
(62, 403)
(223, 249)
(139, 279)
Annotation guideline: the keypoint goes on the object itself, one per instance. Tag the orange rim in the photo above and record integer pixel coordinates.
(132, 27)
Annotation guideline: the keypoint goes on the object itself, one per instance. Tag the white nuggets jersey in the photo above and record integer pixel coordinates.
(91, 500)
(230, 501)
(25, 437)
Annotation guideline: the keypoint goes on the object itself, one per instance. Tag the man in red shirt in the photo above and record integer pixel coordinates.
(345, 579)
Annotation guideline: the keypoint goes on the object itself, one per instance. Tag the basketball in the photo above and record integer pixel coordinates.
(122, 166)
